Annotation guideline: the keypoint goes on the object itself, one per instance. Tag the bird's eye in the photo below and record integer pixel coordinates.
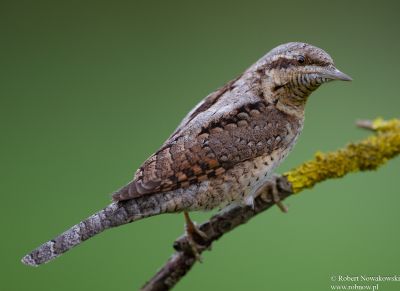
(301, 59)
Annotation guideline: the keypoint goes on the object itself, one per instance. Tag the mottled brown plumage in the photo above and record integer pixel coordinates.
(255, 116)
(223, 151)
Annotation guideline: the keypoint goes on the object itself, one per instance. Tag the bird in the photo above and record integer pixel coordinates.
(224, 150)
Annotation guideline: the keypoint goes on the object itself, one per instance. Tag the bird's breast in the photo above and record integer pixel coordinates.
(251, 175)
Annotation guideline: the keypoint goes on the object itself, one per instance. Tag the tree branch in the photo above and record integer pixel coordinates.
(367, 154)
(183, 260)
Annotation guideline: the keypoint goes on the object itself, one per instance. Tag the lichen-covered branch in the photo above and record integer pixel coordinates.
(367, 154)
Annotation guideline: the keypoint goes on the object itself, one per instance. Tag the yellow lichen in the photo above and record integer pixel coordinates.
(380, 124)
(367, 154)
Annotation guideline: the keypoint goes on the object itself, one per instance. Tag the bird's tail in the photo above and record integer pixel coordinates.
(115, 214)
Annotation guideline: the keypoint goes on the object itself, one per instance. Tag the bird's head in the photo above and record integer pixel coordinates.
(292, 71)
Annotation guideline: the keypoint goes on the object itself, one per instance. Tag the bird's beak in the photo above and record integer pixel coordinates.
(334, 74)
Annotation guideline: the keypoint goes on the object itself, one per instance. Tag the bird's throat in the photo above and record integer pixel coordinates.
(292, 106)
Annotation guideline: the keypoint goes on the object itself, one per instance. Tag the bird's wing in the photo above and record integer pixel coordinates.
(204, 105)
(209, 149)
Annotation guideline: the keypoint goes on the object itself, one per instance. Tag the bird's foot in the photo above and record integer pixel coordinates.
(195, 236)
(270, 190)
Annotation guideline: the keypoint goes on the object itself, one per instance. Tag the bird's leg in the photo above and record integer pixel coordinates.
(277, 199)
(271, 189)
(194, 234)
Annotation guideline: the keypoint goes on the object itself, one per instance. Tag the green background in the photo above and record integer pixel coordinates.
(90, 89)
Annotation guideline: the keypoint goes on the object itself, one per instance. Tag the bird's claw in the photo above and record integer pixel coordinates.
(194, 237)
(271, 191)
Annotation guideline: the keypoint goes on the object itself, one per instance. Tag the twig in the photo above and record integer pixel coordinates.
(366, 124)
(221, 223)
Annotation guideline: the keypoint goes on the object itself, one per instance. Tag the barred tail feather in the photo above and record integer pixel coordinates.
(115, 214)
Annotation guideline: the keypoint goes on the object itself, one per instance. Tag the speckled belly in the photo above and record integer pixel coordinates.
(242, 183)
(239, 184)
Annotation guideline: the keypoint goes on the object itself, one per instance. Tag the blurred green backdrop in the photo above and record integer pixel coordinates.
(89, 89)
